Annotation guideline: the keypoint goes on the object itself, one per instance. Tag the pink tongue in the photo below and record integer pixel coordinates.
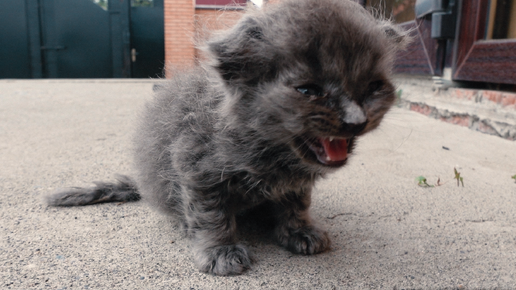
(336, 150)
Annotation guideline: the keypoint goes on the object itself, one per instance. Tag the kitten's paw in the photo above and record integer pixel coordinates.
(223, 260)
(306, 240)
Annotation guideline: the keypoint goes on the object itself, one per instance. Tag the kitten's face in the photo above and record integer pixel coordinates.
(321, 113)
(311, 74)
(327, 119)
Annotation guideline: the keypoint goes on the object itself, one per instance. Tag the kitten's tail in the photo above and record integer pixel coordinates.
(124, 190)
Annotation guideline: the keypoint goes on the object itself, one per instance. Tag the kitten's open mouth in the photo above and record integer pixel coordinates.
(330, 151)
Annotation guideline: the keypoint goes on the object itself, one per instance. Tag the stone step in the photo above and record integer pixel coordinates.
(490, 112)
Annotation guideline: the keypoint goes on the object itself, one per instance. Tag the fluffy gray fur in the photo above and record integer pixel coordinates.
(241, 129)
(124, 190)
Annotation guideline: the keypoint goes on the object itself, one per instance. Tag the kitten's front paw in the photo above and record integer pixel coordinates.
(306, 240)
(223, 260)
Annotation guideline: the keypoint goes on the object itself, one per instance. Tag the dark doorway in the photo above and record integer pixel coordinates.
(14, 50)
(147, 39)
(81, 39)
(77, 40)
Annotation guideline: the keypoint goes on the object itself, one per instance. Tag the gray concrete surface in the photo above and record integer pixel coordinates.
(388, 233)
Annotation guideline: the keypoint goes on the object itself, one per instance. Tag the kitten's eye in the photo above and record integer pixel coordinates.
(375, 86)
(311, 90)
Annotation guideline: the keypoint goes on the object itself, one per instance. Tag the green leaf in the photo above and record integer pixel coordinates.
(458, 177)
(421, 181)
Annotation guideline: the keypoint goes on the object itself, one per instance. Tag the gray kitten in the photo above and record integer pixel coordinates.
(278, 104)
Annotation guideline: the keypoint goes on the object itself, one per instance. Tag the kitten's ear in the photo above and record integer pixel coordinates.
(242, 55)
(399, 37)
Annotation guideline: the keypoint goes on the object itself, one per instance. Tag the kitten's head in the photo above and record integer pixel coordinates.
(313, 74)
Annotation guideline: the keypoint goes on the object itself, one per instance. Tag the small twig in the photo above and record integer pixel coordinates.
(339, 214)
(479, 221)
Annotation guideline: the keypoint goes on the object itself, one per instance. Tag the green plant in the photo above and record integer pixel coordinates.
(458, 177)
(398, 97)
(421, 181)
(514, 177)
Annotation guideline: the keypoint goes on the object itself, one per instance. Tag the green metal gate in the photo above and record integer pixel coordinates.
(147, 39)
(81, 39)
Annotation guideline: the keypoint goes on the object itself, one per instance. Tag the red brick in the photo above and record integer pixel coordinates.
(457, 120)
(508, 99)
(463, 94)
(422, 109)
(493, 96)
(184, 23)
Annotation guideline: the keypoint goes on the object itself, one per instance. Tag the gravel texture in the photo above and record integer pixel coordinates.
(388, 233)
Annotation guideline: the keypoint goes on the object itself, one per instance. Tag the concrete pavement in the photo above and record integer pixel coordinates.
(388, 233)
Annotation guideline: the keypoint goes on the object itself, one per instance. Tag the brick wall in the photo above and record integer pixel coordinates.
(179, 32)
(183, 24)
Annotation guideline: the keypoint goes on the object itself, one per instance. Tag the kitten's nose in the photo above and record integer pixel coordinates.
(353, 129)
(354, 120)
(354, 114)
